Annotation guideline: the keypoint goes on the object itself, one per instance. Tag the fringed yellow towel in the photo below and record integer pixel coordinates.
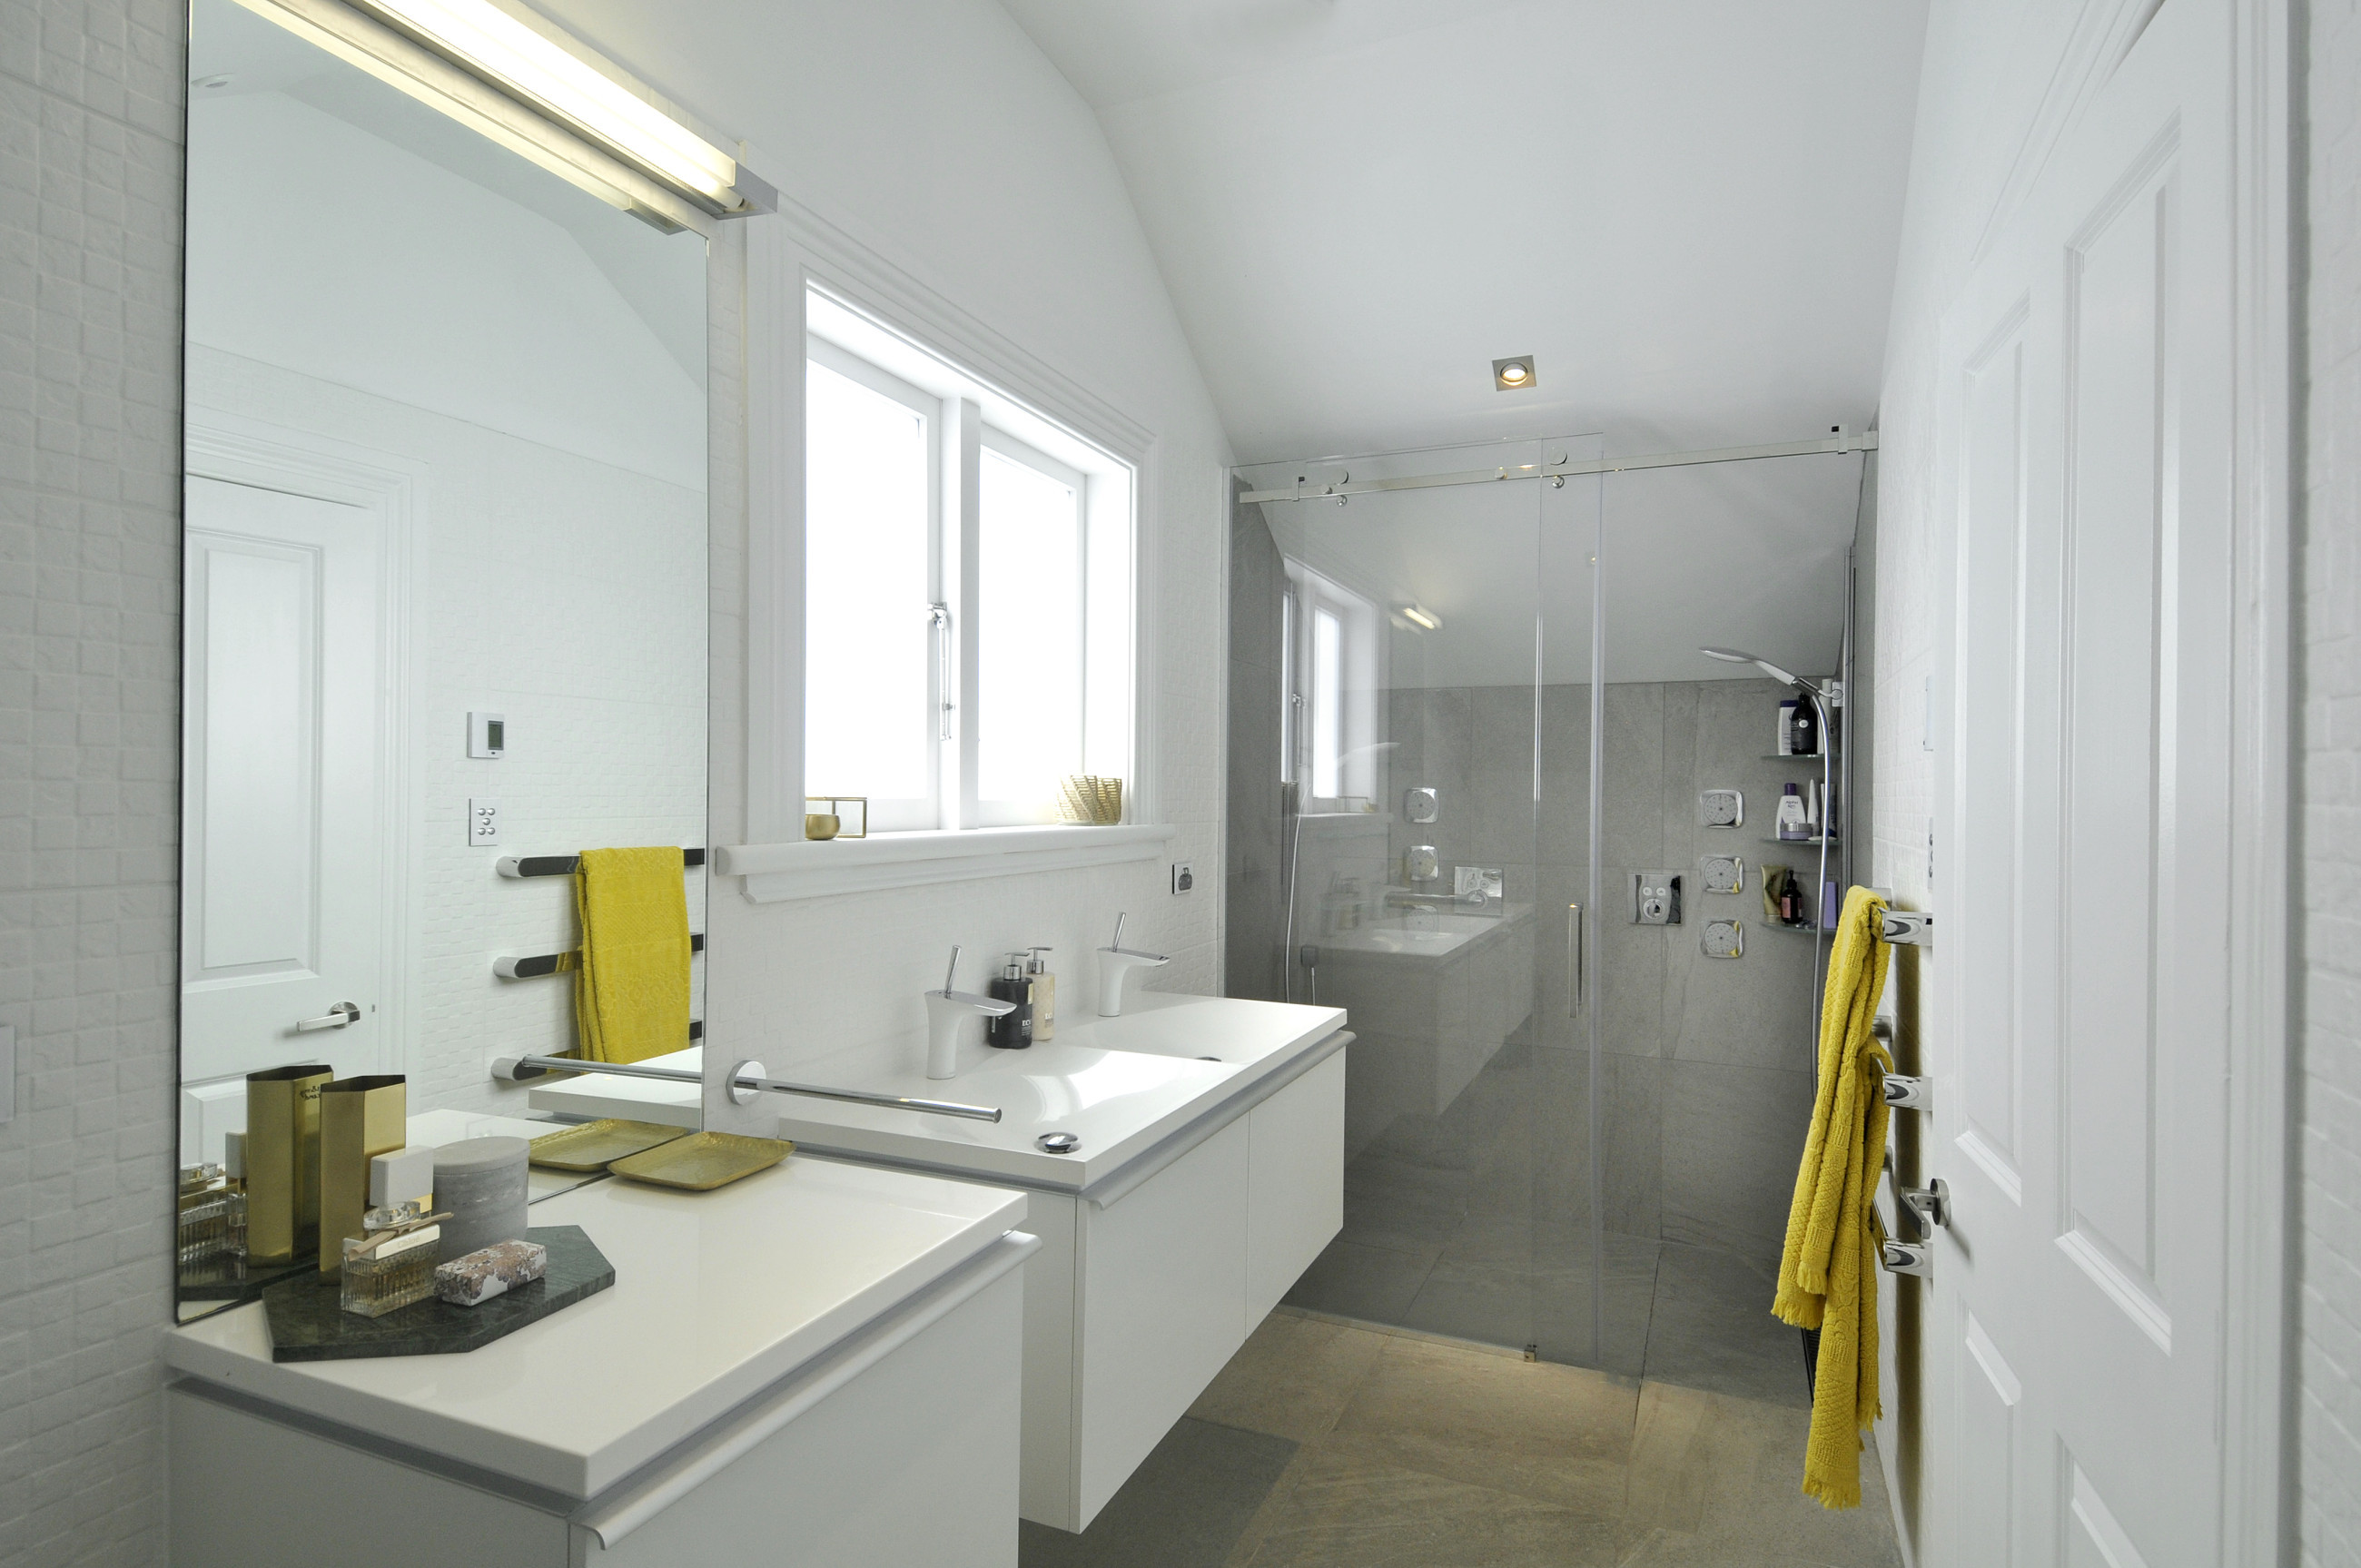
(631, 993)
(1827, 1278)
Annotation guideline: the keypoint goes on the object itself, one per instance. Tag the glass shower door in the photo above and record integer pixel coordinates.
(1699, 999)
(1389, 857)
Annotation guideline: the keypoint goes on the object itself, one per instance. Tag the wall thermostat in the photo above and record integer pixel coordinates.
(488, 734)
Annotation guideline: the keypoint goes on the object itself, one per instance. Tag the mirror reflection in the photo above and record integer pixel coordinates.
(446, 546)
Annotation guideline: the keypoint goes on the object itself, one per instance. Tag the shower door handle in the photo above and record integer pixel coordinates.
(1574, 959)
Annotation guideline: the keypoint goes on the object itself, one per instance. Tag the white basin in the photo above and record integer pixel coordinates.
(1119, 1084)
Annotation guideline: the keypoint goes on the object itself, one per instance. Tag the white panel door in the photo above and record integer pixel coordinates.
(2086, 437)
(285, 790)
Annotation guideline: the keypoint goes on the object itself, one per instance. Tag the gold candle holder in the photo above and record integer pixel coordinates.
(282, 1161)
(360, 1118)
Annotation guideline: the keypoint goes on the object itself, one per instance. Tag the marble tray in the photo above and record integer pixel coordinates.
(306, 1323)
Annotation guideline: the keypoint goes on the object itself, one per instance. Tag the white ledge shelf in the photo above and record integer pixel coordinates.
(774, 873)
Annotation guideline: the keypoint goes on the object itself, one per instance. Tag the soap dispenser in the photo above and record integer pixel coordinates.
(1045, 994)
(1012, 1030)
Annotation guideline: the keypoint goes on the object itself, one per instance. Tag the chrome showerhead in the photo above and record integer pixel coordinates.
(1732, 656)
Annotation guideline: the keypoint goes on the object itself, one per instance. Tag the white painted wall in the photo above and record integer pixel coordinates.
(2329, 586)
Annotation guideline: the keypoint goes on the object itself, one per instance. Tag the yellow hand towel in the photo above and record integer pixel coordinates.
(1827, 1278)
(630, 994)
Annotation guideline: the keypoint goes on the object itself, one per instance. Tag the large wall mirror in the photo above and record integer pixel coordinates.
(444, 607)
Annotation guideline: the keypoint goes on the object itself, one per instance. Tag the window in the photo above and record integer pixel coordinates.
(1330, 664)
(967, 629)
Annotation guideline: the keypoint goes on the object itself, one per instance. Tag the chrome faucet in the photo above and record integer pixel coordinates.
(1116, 960)
(946, 1010)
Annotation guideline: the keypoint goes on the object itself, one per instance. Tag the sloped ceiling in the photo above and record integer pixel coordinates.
(1689, 210)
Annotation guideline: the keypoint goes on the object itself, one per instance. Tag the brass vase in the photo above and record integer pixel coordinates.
(282, 1162)
(360, 1118)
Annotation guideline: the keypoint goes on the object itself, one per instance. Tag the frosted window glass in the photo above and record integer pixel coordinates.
(1327, 704)
(866, 640)
(1028, 632)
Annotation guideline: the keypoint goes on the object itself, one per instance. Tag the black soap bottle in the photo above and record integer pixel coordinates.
(1012, 1031)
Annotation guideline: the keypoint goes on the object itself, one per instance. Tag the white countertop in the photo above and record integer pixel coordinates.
(716, 1295)
(1122, 1084)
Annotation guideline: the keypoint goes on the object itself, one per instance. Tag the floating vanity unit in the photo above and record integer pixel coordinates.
(1206, 1172)
(819, 1364)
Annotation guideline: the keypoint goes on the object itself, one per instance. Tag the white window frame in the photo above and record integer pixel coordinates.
(805, 279)
(1360, 676)
(923, 811)
(975, 809)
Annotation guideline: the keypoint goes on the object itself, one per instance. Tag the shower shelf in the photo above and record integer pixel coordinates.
(1805, 843)
(1791, 756)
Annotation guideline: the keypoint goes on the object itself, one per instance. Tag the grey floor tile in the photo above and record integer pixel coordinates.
(1353, 1279)
(1292, 1379)
(1187, 1506)
(1336, 1510)
(1711, 1328)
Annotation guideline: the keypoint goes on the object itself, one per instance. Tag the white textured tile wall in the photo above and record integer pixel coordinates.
(90, 121)
(2329, 580)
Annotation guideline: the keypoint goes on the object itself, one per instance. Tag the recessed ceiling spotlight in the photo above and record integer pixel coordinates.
(1513, 375)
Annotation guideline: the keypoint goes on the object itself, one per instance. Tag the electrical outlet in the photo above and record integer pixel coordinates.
(1184, 877)
(483, 821)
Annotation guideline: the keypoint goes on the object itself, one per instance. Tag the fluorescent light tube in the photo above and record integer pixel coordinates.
(1422, 616)
(498, 47)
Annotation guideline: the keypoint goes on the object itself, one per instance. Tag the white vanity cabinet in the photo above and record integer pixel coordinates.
(1166, 1281)
(819, 1366)
(1210, 1173)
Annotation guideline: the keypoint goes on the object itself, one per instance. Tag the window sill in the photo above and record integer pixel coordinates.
(774, 873)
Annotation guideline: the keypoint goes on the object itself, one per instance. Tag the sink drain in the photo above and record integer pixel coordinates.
(1057, 1143)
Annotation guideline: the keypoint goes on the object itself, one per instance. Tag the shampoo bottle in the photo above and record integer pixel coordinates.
(1012, 1031)
(1791, 821)
(1045, 995)
(1787, 727)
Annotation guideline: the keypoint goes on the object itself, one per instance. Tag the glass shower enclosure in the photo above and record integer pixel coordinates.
(1486, 795)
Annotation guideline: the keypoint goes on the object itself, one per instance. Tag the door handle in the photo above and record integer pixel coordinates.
(1574, 960)
(343, 1015)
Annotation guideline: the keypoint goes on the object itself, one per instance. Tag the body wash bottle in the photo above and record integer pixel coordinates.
(1013, 1030)
(1790, 821)
(1045, 995)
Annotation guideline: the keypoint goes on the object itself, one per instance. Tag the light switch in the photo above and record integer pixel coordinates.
(483, 821)
(488, 734)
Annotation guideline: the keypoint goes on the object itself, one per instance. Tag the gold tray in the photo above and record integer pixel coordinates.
(594, 1145)
(703, 1161)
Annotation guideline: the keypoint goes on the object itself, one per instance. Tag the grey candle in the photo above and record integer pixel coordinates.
(480, 1183)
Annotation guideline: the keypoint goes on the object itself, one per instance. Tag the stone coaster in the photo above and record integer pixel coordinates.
(306, 1323)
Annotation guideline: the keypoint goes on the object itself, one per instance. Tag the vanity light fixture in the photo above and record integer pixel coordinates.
(496, 46)
(1418, 615)
(1513, 375)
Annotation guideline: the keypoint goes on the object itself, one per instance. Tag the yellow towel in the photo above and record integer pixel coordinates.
(1827, 1278)
(630, 994)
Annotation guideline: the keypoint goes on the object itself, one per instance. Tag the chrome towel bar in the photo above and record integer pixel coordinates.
(515, 866)
(538, 964)
(524, 1069)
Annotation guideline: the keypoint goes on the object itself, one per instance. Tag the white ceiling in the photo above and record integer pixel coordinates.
(1689, 210)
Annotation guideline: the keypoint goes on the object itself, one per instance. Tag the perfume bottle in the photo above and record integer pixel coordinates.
(204, 1225)
(392, 1263)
